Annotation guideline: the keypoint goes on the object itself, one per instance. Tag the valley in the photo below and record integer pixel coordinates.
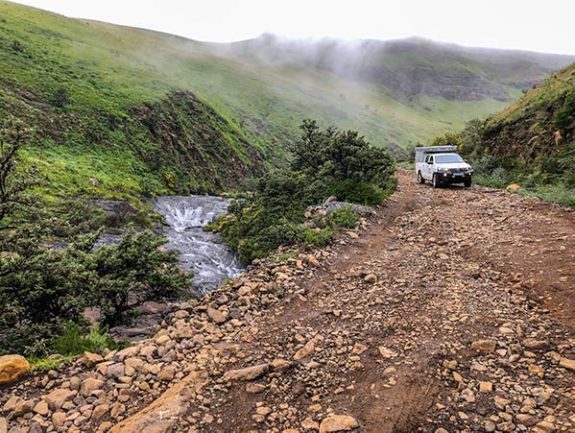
(225, 237)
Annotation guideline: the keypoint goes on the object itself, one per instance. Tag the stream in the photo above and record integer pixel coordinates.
(203, 253)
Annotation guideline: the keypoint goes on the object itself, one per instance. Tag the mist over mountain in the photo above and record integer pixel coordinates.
(408, 67)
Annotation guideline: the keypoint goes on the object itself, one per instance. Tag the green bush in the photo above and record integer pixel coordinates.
(318, 237)
(60, 98)
(565, 115)
(345, 217)
(326, 162)
(75, 341)
(42, 289)
(133, 272)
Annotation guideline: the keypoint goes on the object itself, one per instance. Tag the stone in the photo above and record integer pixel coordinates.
(255, 388)
(128, 352)
(246, 374)
(181, 314)
(534, 344)
(89, 358)
(370, 278)
(12, 403)
(167, 411)
(386, 353)
(100, 411)
(485, 387)
(58, 419)
(500, 402)
(313, 261)
(441, 430)
(526, 419)
(58, 397)
(167, 374)
(12, 368)
(89, 385)
(41, 408)
(309, 424)
(279, 364)
(307, 349)
(489, 426)
(23, 407)
(544, 427)
(162, 340)
(468, 395)
(338, 423)
(216, 316)
(567, 363)
(115, 370)
(3, 425)
(359, 348)
(484, 347)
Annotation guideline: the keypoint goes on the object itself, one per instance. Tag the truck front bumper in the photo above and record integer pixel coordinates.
(448, 177)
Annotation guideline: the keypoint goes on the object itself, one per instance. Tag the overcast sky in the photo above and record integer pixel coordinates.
(546, 26)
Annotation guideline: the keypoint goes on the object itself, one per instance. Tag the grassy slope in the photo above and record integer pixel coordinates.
(532, 141)
(122, 115)
(111, 70)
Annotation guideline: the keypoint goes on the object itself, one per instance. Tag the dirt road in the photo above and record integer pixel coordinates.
(453, 311)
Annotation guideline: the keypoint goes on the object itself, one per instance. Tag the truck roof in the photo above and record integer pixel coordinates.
(443, 154)
(436, 149)
(420, 152)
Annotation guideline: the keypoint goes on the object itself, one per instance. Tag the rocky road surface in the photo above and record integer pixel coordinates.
(452, 310)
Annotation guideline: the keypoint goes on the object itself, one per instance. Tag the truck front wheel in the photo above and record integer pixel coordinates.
(435, 181)
(467, 182)
(420, 178)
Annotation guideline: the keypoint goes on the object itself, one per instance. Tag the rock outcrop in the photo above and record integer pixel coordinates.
(12, 368)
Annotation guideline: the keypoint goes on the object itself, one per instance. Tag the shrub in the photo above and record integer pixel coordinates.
(60, 98)
(326, 162)
(42, 288)
(565, 115)
(447, 139)
(133, 272)
(318, 237)
(345, 217)
(75, 341)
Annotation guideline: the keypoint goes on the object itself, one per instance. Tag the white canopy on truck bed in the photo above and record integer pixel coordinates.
(420, 152)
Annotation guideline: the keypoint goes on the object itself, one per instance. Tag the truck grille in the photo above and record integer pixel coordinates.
(457, 170)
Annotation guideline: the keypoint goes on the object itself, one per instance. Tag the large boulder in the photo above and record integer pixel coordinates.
(338, 423)
(246, 374)
(12, 368)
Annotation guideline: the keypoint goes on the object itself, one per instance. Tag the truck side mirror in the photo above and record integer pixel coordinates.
(430, 162)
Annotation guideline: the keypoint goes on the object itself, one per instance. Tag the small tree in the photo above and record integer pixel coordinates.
(13, 136)
(60, 98)
(133, 272)
(447, 139)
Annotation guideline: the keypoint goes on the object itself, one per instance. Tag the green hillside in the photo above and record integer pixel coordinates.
(531, 142)
(125, 111)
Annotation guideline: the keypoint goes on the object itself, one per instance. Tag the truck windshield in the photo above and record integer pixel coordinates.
(446, 159)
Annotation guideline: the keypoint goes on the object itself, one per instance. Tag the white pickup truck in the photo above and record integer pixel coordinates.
(441, 165)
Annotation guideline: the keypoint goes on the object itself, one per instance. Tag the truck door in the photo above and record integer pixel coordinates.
(428, 167)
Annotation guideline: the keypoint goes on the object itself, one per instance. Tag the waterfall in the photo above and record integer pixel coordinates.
(201, 252)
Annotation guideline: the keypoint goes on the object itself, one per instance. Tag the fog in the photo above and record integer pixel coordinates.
(510, 24)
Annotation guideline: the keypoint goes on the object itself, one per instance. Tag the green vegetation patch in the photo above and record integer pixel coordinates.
(324, 162)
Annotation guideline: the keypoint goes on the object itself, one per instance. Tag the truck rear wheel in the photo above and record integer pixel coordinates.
(420, 178)
(435, 181)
